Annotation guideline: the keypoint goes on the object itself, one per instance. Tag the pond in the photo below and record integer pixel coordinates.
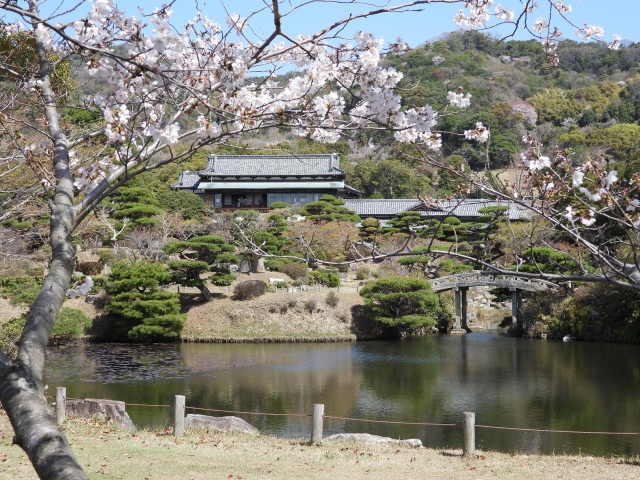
(507, 382)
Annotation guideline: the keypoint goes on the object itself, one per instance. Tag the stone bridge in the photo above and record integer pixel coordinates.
(461, 282)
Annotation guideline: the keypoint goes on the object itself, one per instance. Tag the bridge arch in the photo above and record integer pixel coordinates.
(461, 282)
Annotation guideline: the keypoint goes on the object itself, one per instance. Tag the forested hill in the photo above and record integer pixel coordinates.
(589, 102)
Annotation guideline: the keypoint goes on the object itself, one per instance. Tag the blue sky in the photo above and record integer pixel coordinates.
(615, 16)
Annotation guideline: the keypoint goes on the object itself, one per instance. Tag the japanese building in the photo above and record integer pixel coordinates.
(464, 209)
(232, 182)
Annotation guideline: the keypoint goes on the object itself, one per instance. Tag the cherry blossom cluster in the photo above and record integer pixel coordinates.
(480, 13)
(593, 189)
(194, 82)
(480, 133)
(80, 287)
(198, 82)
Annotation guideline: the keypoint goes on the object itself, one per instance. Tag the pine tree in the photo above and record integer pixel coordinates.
(139, 310)
(197, 256)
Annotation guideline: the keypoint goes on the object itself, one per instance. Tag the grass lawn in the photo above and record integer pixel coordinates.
(105, 451)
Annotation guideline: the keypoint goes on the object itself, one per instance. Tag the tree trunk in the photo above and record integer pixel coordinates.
(257, 264)
(205, 292)
(35, 427)
(21, 389)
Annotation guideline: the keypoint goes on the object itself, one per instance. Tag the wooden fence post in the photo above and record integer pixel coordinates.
(178, 415)
(469, 426)
(316, 423)
(61, 405)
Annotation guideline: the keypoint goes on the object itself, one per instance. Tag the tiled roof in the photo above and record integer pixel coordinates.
(273, 165)
(187, 179)
(470, 207)
(378, 208)
(438, 208)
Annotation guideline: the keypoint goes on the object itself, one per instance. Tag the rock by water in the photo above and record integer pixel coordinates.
(372, 439)
(233, 424)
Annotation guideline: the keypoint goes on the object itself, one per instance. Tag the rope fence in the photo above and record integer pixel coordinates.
(249, 413)
(468, 424)
(369, 420)
(546, 430)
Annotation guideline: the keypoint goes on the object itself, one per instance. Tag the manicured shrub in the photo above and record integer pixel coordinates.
(274, 264)
(276, 205)
(324, 277)
(401, 304)
(249, 289)
(452, 221)
(222, 279)
(138, 310)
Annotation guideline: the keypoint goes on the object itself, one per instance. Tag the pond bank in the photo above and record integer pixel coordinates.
(108, 452)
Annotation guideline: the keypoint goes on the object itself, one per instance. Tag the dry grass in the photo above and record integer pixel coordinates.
(273, 316)
(8, 311)
(106, 452)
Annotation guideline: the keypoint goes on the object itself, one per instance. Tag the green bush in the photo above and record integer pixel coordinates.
(274, 264)
(401, 304)
(597, 312)
(138, 310)
(10, 285)
(323, 277)
(10, 334)
(71, 323)
(452, 221)
(222, 279)
(276, 205)
(25, 295)
(107, 256)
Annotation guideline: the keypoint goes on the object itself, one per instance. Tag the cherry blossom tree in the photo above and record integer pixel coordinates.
(587, 205)
(155, 93)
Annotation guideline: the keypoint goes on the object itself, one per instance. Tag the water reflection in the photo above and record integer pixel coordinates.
(507, 382)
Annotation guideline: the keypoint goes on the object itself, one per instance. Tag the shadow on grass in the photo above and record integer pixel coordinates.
(450, 454)
(190, 300)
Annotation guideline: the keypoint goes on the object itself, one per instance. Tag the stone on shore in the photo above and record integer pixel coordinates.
(372, 439)
(230, 423)
(112, 411)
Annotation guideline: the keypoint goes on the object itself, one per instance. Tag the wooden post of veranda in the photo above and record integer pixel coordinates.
(178, 415)
(469, 426)
(316, 423)
(61, 405)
